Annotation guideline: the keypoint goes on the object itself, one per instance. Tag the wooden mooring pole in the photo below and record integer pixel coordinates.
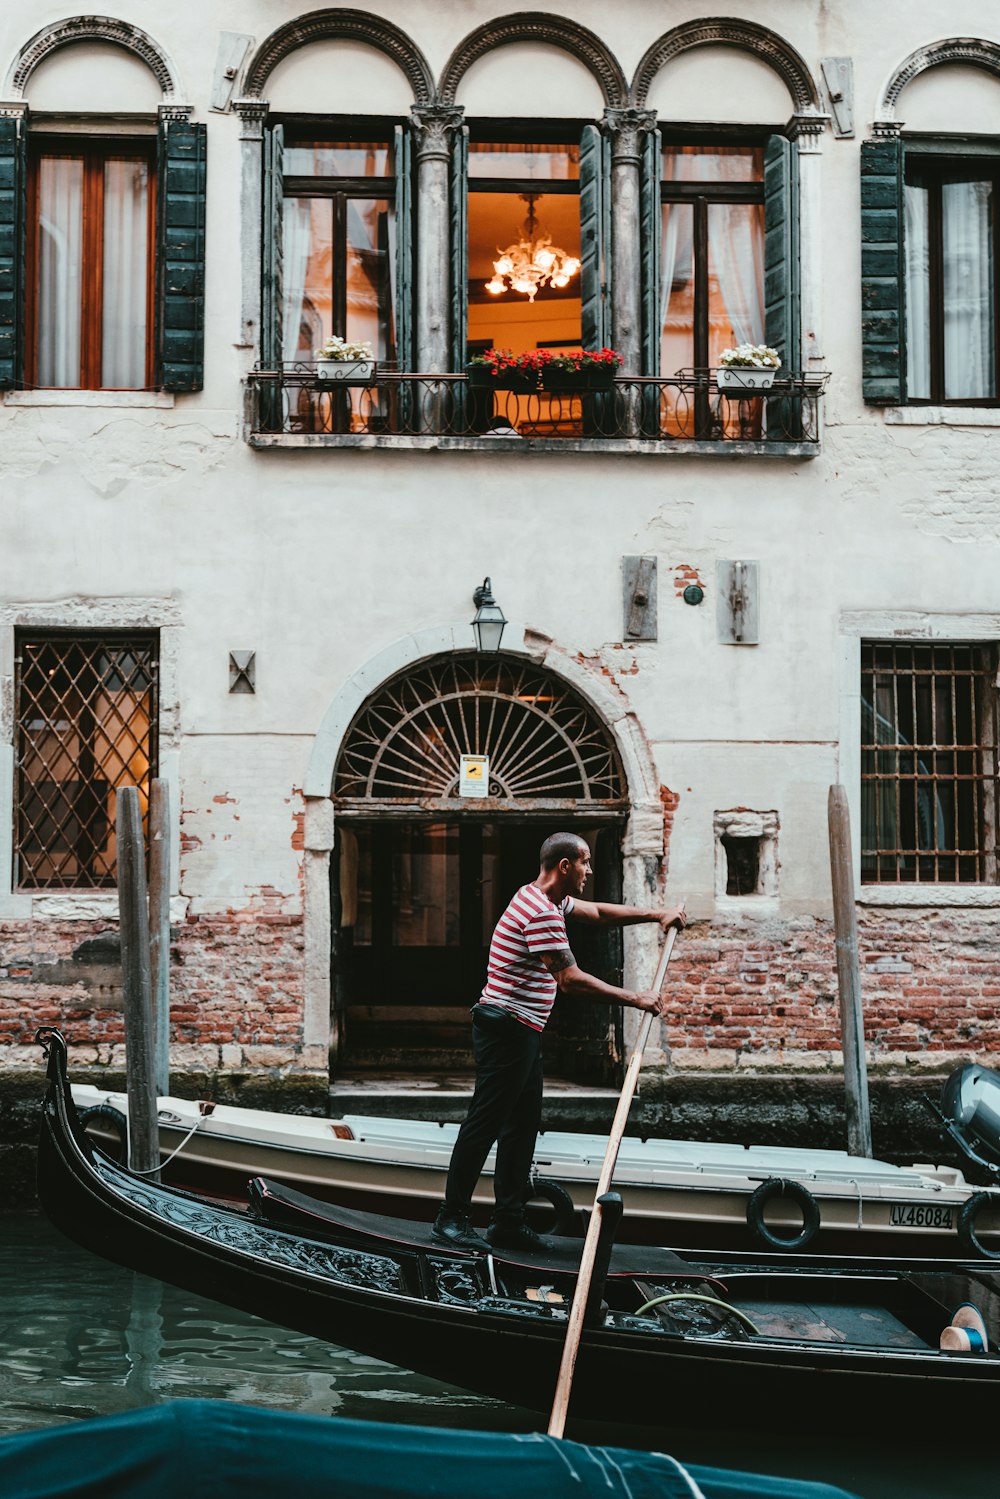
(133, 909)
(159, 929)
(852, 1024)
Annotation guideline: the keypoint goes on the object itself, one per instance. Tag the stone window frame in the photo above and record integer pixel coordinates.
(903, 625)
(747, 822)
(97, 615)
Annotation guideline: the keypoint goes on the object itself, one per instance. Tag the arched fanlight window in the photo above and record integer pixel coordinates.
(546, 747)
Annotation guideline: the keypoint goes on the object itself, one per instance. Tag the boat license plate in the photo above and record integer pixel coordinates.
(912, 1215)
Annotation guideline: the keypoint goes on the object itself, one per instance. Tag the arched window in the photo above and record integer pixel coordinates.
(544, 746)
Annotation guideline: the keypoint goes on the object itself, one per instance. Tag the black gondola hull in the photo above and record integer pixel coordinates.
(379, 1304)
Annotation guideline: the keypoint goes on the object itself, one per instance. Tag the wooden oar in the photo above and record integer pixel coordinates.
(574, 1329)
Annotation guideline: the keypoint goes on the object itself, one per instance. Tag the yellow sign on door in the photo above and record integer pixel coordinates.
(474, 775)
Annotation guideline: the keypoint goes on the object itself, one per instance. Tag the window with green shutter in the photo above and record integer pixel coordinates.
(102, 259)
(337, 240)
(180, 256)
(883, 355)
(13, 217)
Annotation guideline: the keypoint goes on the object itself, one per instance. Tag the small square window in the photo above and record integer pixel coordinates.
(746, 853)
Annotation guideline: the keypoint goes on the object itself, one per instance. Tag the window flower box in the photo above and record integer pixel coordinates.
(483, 377)
(580, 371)
(345, 363)
(567, 381)
(750, 367)
(347, 371)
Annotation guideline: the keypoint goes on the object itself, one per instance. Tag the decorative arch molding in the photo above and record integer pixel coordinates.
(341, 25)
(107, 29)
(607, 702)
(973, 51)
(536, 26)
(729, 31)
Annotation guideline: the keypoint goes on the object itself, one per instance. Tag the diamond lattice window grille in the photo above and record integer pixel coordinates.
(547, 748)
(86, 709)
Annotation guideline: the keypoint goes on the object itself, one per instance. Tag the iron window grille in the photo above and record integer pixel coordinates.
(929, 764)
(86, 711)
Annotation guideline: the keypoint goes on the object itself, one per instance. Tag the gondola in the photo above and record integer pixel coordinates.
(810, 1340)
(242, 1452)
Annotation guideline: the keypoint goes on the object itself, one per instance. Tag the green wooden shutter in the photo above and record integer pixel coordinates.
(459, 247)
(13, 177)
(181, 256)
(883, 351)
(404, 251)
(272, 249)
(594, 238)
(782, 302)
(650, 221)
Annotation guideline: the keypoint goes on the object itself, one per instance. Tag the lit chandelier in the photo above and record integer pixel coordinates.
(532, 262)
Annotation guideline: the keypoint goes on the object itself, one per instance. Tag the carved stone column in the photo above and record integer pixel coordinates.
(627, 128)
(434, 128)
(252, 113)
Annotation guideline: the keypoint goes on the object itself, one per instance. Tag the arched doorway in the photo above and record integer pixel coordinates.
(421, 872)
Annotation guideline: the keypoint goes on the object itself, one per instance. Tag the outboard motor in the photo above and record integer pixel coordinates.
(970, 1112)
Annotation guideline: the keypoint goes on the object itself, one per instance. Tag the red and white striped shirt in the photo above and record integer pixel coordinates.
(516, 978)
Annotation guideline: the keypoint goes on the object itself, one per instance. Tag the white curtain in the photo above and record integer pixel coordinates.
(296, 246)
(736, 253)
(126, 254)
(60, 250)
(918, 308)
(966, 210)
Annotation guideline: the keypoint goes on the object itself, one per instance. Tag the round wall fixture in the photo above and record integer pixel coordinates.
(693, 594)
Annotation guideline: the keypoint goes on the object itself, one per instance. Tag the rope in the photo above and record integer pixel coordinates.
(176, 1151)
(691, 1296)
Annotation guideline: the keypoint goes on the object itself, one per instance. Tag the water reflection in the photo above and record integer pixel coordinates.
(80, 1338)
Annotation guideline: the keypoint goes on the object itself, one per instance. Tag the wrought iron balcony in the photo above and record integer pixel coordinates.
(685, 412)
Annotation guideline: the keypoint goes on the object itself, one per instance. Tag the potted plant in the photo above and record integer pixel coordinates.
(581, 370)
(346, 363)
(499, 369)
(747, 367)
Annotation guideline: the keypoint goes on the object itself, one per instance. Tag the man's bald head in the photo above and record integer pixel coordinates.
(562, 846)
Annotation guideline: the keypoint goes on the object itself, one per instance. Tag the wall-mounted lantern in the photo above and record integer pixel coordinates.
(489, 620)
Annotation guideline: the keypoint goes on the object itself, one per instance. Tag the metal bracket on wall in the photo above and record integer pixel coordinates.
(233, 48)
(243, 671)
(737, 610)
(639, 582)
(838, 79)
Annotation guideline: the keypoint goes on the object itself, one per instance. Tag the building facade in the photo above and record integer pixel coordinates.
(229, 570)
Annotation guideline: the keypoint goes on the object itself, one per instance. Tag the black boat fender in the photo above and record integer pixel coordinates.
(967, 1215)
(112, 1119)
(565, 1222)
(780, 1186)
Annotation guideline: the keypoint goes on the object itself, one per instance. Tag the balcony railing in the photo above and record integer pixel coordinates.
(291, 407)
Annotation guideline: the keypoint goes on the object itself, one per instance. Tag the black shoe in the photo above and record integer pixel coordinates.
(455, 1231)
(516, 1236)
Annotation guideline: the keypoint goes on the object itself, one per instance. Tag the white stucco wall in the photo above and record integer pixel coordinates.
(317, 560)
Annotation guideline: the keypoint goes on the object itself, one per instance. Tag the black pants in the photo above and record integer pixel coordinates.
(506, 1111)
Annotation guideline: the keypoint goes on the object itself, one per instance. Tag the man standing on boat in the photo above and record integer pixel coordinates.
(530, 959)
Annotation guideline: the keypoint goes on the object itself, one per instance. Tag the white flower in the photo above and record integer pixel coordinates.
(750, 356)
(336, 347)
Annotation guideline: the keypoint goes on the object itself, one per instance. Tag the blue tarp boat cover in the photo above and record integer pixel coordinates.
(208, 1449)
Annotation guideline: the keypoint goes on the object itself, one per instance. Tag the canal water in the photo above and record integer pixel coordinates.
(82, 1338)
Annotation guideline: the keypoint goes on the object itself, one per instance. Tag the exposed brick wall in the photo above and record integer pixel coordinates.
(236, 986)
(748, 996)
(766, 994)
